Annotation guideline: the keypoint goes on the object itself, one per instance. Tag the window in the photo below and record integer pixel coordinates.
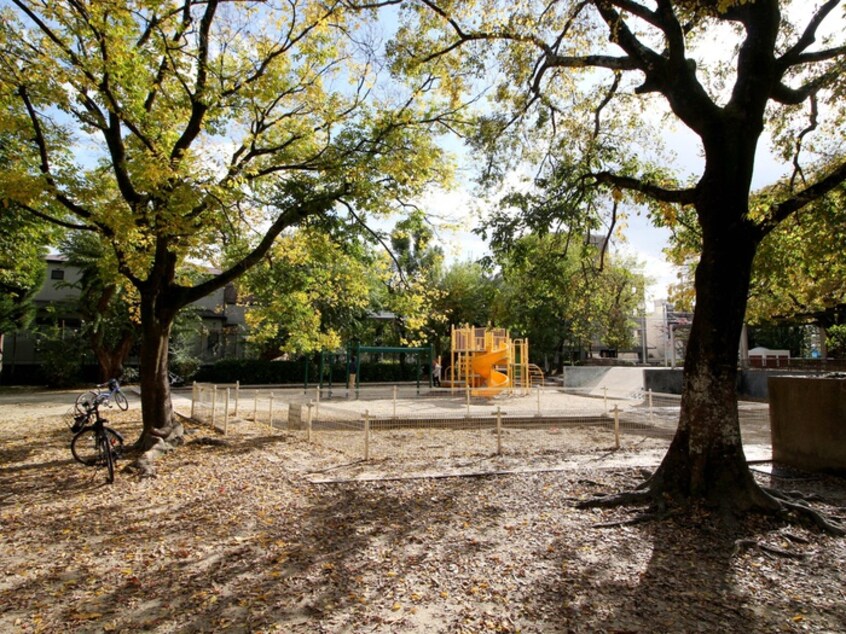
(57, 274)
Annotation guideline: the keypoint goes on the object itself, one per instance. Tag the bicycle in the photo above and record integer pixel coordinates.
(86, 399)
(95, 444)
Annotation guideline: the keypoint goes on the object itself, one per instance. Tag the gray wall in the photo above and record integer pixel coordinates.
(751, 384)
(808, 419)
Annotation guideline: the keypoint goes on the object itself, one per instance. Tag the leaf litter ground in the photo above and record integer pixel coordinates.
(261, 532)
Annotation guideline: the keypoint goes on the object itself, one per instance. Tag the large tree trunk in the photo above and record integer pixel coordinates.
(156, 407)
(706, 460)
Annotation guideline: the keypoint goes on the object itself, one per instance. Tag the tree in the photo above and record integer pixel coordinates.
(202, 129)
(555, 293)
(23, 243)
(799, 275)
(107, 303)
(468, 293)
(591, 74)
(412, 291)
(308, 294)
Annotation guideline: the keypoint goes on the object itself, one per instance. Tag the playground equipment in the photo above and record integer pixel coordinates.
(488, 361)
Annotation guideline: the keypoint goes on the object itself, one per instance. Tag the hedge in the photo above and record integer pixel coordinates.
(258, 372)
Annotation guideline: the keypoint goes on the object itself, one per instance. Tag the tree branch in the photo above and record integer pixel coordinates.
(678, 196)
(44, 156)
(55, 221)
(198, 105)
(290, 217)
(794, 96)
(373, 233)
(812, 125)
(794, 54)
(808, 195)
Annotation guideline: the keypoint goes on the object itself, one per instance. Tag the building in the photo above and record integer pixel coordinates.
(221, 333)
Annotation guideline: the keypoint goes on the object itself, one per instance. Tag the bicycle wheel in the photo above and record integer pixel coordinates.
(85, 401)
(120, 401)
(108, 457)
(87, 450)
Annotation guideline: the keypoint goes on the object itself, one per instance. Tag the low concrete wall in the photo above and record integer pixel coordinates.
(663, 380)
(582, 375)
(751, 384)
(808, 422)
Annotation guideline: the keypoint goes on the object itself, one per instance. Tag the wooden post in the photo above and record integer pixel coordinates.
(366, 434)
(650, 405)
(605, 399)
(255, 406)
(308, 421)
(498, 430)
(539, 408)
(214, 406)
(616, 427)
(193, 398)
(316, 404)
(226, 412)
(395, 401)
(270, 412)
(468, 397)
(237, 397)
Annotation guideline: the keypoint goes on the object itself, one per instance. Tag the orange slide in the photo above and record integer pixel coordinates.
(483, 366)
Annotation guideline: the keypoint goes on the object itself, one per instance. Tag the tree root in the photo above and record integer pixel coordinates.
(626, 498)
(742, 544)
(806, 512)
(158, 446)
(766, 501)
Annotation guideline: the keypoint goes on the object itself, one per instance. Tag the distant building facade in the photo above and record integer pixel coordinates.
(222, 332)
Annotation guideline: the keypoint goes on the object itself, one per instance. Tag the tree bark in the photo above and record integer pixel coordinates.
(156, 407)
(111, 360)
(706, 459)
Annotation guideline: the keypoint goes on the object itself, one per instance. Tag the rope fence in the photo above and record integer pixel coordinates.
(397, 421)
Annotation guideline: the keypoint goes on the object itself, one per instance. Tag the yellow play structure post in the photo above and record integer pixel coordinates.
(489, 361)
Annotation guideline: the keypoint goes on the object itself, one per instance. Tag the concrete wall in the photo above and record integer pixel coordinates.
(808, 421)
(582, 375)
(663, 380)
(751, 384)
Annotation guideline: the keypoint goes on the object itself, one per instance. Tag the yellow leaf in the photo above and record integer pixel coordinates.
(396, 606)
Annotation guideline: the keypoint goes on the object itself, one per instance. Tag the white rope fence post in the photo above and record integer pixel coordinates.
(616, 427)
(367, 434)
(498, 430)
(237, 397)
(270, 412)
(226, 413)
(308, 422)
(395, 401)
(605, 399)
(214, 407)
(468, 399)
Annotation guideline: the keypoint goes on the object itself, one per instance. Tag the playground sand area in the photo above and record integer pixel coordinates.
(260, 531)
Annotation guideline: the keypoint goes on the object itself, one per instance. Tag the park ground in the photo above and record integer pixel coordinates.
(260, 531)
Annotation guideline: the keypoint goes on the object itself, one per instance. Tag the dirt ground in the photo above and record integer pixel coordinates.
(260, 531)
